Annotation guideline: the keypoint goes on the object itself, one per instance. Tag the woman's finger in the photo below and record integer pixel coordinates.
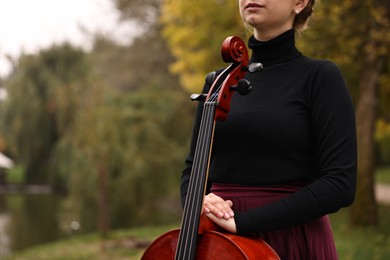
(218, 206)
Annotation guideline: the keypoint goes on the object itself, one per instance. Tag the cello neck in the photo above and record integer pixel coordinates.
(186, 246)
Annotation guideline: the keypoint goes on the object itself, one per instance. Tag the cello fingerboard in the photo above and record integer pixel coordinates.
(186, 246)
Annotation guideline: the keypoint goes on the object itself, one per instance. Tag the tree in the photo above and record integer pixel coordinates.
(144, 12)
(127, 140)
(113, 115)
(198, 53)
(42, 94)
(129, 135)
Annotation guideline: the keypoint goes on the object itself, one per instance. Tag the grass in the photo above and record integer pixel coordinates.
(362, 243)
(122, 244)
(352, 243)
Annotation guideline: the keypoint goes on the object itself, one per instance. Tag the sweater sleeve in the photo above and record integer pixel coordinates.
(332, 120)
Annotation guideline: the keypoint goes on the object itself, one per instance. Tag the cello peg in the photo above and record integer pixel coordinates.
(198, 97)
(243, 87)
(253, 67)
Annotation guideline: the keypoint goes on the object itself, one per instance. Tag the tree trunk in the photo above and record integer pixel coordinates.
(364, 211)
(104, 223)
(37, 171)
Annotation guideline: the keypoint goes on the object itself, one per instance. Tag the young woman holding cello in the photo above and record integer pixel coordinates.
(286, 155)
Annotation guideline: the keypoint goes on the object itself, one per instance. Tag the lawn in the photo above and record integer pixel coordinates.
(122, 244)
(357, 244)
(362, 243)
(352, 243)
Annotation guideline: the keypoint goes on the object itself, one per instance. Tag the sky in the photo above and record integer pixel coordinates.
(29, 25)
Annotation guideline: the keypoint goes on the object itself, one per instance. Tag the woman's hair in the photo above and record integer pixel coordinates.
(300, 21)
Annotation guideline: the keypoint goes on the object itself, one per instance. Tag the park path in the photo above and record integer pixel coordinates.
(382, 193)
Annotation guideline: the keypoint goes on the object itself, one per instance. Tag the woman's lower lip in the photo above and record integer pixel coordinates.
(253, 5)
(253, 9)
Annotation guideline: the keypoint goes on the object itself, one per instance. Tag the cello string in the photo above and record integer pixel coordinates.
(202, 177)
(192, 196)
(196, 197)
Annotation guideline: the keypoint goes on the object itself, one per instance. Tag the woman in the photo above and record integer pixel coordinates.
(286, 155)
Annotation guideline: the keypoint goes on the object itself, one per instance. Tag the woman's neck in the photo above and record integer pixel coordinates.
(266, 35)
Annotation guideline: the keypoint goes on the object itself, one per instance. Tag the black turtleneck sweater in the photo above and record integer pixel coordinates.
(297, 125)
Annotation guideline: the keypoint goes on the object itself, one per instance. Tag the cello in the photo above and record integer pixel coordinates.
(198, 237)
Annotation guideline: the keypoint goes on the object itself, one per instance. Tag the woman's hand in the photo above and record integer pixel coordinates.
(220, 212)
(227, 224)
(217, 206)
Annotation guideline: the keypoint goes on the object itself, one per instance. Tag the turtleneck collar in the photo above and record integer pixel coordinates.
(277, 50)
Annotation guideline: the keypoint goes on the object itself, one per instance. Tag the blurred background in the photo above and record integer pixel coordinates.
(95, 117)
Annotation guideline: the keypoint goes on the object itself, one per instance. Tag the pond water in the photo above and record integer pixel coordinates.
(28, 220)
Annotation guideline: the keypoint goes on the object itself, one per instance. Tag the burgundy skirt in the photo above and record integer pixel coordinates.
(313, 240)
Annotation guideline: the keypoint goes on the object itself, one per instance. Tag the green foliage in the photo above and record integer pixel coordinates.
(15, 175)
(42, 93)
(128, 67)
(129, 135)
(346, 32)
(110, 110)
(133, 124)
(128, 117)
(195, 31)
(143, 11)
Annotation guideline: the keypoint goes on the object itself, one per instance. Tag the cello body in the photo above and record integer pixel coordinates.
(212, 245)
